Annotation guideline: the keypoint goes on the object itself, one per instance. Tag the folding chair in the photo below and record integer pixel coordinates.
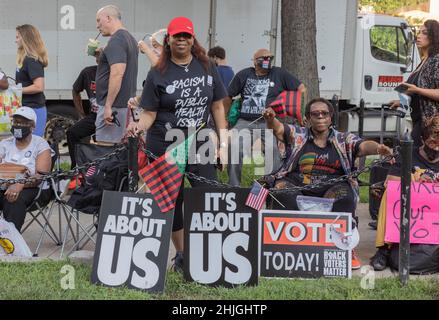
(86, 153)
(53, 201)
(37, 209)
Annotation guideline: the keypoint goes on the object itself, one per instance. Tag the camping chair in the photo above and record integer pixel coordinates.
(55, 203)
(38, 209)
(86, 153)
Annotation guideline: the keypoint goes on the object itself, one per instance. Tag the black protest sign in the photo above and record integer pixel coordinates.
(221, 237)
(132, 242)
(298, 244)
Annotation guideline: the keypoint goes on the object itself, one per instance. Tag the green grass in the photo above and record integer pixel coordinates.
(41, 280)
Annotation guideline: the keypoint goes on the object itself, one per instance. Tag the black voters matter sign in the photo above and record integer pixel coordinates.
(132, 242)
(298, 244)
(221, 237)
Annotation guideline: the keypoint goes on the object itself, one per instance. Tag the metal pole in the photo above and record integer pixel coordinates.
(133, 177)
(335, 102)
(361, 119)
(404, 240)
(273, 29)
(212, 24)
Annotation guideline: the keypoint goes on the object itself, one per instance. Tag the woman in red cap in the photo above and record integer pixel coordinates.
(179, 93)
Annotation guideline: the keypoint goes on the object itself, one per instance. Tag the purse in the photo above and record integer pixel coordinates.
(12, 171)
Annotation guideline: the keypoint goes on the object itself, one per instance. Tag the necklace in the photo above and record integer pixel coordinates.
(184, 66)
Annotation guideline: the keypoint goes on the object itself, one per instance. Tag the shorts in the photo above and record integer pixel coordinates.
(111, 133)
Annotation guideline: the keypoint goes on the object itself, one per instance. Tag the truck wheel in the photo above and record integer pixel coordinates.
(59, 120)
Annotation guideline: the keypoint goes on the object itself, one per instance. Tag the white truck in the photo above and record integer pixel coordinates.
(360, 58)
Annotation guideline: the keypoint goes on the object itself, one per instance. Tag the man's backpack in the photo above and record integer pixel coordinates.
(111, 175)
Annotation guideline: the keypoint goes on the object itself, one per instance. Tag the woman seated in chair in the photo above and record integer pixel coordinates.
(319, 153)
(425, 168)
(32, 156)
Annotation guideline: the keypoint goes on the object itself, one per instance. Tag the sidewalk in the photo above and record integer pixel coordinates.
(49, 250)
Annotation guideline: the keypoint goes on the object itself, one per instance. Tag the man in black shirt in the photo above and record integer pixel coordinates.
(86, 126)
(116, 76)
(258, 86)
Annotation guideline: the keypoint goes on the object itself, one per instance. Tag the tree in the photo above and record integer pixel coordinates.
(299, 50)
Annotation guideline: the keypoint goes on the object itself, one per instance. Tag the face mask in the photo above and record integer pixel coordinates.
(431, 153)
(264, 64)
(20, 132)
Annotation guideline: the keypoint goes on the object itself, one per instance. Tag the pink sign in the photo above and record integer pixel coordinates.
(424, 215)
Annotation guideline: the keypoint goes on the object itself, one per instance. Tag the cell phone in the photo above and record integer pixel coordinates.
(402, 88)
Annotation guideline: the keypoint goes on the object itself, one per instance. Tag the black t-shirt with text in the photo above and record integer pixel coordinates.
(417, 162)
(86, 81)
(181, 99)
(316, 164)
(26, 74)
(121, 48)
(257, 92)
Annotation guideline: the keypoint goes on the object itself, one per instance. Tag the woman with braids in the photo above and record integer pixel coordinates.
(316, 154)
(179, 93)
(423, 83)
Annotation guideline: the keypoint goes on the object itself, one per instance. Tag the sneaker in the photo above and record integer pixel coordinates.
(75, 182)
(373, 224)
(178, 262)
(356, 264)
(380, 259)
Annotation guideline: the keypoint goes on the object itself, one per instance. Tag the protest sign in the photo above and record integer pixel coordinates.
(424, 212)
(132, 242)
(221, 237)
(299, 244)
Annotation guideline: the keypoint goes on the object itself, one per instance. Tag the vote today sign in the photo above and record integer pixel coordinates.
(132, 242)
(424, 212)
(298, 244)
(221, 237)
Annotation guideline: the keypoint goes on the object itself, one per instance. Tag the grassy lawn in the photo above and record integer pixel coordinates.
(41, 280)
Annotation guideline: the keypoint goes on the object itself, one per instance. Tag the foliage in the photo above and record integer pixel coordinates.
(390, 6)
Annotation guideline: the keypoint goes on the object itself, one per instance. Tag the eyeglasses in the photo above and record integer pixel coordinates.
(317, 114)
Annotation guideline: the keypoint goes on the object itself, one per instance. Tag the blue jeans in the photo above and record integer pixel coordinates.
(41, 121)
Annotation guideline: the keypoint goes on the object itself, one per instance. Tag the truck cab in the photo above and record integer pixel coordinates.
(385, 55)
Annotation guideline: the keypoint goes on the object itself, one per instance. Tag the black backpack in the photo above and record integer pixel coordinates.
(110, 174)
(424, 258)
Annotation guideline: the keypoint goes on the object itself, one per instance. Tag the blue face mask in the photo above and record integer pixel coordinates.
(20, 132)
(265, 63)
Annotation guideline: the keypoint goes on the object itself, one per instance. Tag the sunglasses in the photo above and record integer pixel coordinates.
(317, 114)
(265, 58)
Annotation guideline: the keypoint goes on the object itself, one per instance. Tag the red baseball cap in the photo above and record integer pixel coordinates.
(181, 25)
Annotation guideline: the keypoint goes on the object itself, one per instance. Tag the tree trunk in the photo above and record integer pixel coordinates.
(299, 52)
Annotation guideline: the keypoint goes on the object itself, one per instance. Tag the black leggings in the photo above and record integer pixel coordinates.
(15, 212)
(342, 192)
